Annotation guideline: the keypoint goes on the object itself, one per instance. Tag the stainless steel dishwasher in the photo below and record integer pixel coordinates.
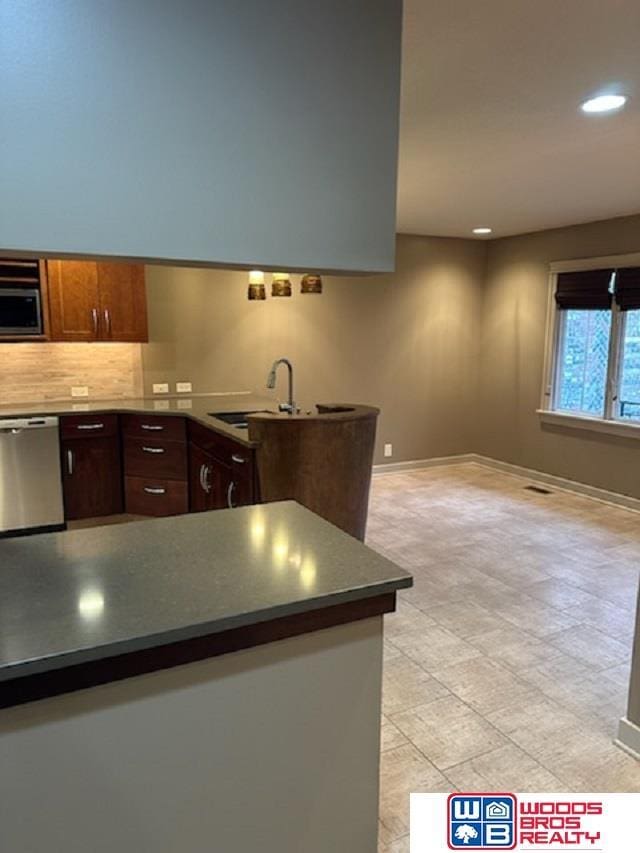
(30, 480)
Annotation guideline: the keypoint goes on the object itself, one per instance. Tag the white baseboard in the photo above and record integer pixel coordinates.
(561, 483)
(629, 737)
(418, 464)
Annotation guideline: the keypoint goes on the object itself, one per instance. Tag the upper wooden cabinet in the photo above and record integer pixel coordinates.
(91, 301)
(123, 302)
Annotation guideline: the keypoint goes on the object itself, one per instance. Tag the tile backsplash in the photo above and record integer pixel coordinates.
(41, 371)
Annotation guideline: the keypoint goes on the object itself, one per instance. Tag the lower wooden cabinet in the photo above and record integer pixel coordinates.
(159, 472)
(216, 485)
(156, 469)
(205, 486)
(91, 477)
(150, 496)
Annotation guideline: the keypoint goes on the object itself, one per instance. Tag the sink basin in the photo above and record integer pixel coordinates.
(235, 419)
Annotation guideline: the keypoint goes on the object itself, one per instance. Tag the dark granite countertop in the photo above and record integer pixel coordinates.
(86, 595)
(197, 407)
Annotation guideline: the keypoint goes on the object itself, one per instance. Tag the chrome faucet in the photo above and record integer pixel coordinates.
(271, 383)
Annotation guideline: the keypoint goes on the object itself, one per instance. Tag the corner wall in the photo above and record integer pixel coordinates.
(512, 353)
(407, 342)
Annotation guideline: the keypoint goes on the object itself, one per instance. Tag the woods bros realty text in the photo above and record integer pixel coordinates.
(603, 823)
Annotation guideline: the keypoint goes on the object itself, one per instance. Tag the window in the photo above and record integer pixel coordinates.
(582, 360)
(597, 344)
(630, 373)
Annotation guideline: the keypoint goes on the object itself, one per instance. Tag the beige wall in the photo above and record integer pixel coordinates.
(37, 372)
(513, 338)
(406, 342)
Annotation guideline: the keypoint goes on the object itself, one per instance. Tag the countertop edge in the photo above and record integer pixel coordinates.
(120, 665)
(64, 408)
(93, 654)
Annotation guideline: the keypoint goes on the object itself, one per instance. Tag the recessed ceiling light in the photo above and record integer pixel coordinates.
(604, 104)
(482, 230)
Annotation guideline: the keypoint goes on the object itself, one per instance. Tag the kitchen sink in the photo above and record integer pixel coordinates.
(235, 419)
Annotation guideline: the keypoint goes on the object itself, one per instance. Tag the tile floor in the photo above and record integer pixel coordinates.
(506, 666)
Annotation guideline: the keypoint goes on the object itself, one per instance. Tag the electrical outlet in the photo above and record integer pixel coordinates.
(160, 388)
(185, 404)
(388, 450)
(183, 387)
(79, 391)
(161, 405)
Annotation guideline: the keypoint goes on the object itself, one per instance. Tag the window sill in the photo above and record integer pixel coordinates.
(609, 427)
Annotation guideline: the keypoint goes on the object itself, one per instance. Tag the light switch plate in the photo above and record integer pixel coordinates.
(183, 387)
(79, 390)
(388, 450)
(161, 405)
(185, 404)
(80, 407)
(160, 387)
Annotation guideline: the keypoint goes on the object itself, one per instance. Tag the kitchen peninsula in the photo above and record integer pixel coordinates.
(170, 456)
(210, 676)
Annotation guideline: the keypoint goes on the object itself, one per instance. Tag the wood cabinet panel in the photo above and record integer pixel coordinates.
(206, 490)
(73, 300)
(241, 493)
(154, 496)
(144, 457)
(92, 477)
(123, 302)
(166, 427)
(88, 426)
(233, 463)
(90, 301)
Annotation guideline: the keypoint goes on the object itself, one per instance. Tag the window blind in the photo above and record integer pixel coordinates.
(628, 288)
(584, 289)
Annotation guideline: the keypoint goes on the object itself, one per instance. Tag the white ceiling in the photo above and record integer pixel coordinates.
(490, 128)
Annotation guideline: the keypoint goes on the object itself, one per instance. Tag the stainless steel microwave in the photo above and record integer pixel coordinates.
(20, 311)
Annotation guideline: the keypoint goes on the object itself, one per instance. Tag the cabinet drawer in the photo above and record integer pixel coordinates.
(150, 457)
(158, 426)
(225, 449)
(150, 496)
(88, 426)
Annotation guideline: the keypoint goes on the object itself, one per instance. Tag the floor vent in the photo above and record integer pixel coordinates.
(539, 490)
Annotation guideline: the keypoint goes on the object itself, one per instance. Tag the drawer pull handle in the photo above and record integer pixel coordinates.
(153, 449)
(150, 490)
(90, 426)
(239, 459)
(205, 482)
(153, 427)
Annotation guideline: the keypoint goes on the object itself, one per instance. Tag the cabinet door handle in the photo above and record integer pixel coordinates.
(70, 462)
(153, 449)
(152, 427)
(107, 321)
(206, 479)
(239, 459)
(230, 491)
(94, 320)
(154, 490)
(202, 478)
(90, 426)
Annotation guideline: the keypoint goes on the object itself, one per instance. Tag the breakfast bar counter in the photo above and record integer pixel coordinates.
(224, 666)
